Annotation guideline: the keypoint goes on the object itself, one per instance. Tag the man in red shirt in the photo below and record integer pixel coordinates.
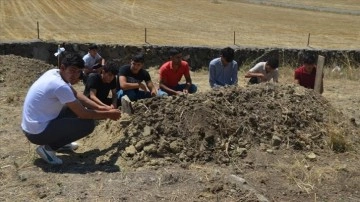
(305, 75)
(171, 73)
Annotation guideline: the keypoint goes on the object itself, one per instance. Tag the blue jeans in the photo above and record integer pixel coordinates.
(179, 87)
(133, 95)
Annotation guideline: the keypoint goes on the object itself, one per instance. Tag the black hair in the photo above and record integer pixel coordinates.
(174, 51)
(93, 47)
(111, 67)
(228, 54)
(309, 59)
(73, 59)
(273, 62)
(138, 58)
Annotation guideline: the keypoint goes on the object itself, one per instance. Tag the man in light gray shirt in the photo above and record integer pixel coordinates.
(264, 72)
(223, 71)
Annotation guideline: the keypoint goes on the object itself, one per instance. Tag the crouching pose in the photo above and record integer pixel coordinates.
(55, 114)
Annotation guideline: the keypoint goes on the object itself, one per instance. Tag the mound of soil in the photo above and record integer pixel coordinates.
(20, 72)
(220, 126)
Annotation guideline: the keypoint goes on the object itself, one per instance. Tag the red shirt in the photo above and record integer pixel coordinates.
(171, 77)
(305, 79)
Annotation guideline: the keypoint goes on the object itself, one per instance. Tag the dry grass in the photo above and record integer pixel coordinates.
(176, 22)
(304, 174)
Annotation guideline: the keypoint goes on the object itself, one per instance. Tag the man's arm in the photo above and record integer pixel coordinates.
(235, 74)
(94, 98)
(84, 113)
(114, 98)
(254, 72)
(165, 88)
(85, 101)
(152, 88)
(188, 82)
(212, 75)
(296, 78)
(124, 85)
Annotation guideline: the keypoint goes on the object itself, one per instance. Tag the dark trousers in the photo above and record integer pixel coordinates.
(66, 128)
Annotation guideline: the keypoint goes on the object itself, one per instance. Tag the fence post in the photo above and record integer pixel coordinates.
(234, 38)
(308, 43)
(145, 36)
(38, 30)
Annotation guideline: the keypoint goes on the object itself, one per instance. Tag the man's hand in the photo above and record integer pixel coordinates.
(142, 87)
(179, 92)
(185, 91)
(114, 114)
(153, 92)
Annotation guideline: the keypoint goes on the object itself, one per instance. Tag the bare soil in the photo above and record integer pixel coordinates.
(268, 142)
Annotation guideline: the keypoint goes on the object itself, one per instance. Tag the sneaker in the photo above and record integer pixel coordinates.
(69, 147)
(126, 106)
(48, 155)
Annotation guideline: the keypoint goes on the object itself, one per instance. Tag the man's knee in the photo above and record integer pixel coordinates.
(193, 88)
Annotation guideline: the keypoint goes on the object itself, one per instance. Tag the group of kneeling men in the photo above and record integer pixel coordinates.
(129, 79)
(55, 115)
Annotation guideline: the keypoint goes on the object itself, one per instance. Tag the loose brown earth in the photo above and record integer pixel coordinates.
(287, 143)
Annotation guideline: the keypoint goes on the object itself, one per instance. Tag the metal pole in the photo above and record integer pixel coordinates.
(145, 36)
(38, 30)
(308, 43)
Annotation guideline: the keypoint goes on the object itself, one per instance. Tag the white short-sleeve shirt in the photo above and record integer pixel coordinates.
(260, 68)
(44, 101)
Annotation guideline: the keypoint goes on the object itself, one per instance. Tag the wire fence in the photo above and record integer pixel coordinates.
(197, 37)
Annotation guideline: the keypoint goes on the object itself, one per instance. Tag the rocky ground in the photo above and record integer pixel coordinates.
(268, 142)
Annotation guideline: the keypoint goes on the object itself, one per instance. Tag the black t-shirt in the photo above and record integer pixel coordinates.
(141, 76)
(94, 81)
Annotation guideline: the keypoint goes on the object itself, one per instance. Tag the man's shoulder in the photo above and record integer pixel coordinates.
(184, 63)
(215, 61)
(165, 66)
(86, 56)
(124, 69)
(94, 75)
(299, 69)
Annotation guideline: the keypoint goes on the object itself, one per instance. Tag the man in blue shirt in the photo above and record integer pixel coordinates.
(223, 71)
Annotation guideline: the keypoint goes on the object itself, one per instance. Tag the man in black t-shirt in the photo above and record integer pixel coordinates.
(130, 78)
(98, 86)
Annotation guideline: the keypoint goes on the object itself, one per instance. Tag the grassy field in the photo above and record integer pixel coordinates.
(276, 23)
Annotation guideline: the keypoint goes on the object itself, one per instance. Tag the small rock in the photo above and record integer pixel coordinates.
(276, 141)
(311, 156)
(130, 150)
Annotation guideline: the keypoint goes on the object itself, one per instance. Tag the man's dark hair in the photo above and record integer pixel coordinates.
(174, 51)
(309, 59)
(273, 62)
(228, 54)
(138, 58)
(93, 47)
(111, 67)
(73, 59)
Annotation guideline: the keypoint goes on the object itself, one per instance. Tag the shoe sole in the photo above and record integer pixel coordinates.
(126, 106)
(45, 156)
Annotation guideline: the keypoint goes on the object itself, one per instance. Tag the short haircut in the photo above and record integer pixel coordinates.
(93, 47)
(309, 59)
(273, 62)
(174, 51)
(138, 58)
(228, 54)
(73, 59)
(111, 67)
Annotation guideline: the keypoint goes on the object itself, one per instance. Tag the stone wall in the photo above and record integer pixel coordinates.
(199, 56)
